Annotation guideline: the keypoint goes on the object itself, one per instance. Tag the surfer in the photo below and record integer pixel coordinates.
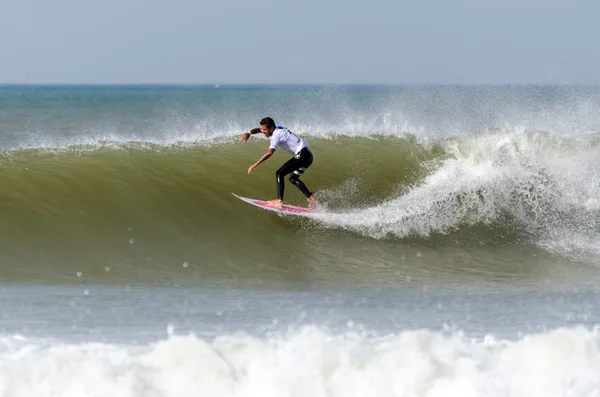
(290, 142)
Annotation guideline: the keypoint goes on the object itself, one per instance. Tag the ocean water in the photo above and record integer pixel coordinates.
(456, 251)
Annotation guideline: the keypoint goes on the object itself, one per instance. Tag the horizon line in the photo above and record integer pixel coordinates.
(218, 85)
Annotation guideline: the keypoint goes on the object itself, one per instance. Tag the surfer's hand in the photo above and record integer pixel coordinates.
(244, 137)
(251, 168)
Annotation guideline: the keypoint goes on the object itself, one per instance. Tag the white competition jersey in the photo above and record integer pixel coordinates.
(287, 140)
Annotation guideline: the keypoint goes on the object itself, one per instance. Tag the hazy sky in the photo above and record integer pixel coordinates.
(304, 41)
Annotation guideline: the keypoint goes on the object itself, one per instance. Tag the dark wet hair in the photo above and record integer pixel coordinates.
(268, 122)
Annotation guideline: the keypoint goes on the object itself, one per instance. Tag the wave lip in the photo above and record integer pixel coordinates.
(56, 117)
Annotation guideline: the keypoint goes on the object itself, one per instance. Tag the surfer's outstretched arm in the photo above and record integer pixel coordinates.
(246, 135)
(263, 158)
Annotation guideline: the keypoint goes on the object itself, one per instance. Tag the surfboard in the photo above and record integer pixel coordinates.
(286, 209)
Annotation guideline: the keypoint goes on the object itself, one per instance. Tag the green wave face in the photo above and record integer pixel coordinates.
(90, 202)
(394, 210)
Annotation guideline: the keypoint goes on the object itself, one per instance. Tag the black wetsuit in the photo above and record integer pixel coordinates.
(296, 167)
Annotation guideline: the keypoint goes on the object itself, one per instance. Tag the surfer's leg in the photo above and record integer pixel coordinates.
(305, 159)
(294, 178)
(285, 169)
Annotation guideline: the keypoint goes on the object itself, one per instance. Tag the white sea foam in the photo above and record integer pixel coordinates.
(312, 362)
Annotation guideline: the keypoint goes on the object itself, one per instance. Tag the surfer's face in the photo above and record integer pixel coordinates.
(267, 131)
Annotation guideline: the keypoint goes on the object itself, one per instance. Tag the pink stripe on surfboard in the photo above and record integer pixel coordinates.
(286, 207)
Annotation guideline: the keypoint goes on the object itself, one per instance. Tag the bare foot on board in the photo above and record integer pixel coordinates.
(312, 202)
(276, 203)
